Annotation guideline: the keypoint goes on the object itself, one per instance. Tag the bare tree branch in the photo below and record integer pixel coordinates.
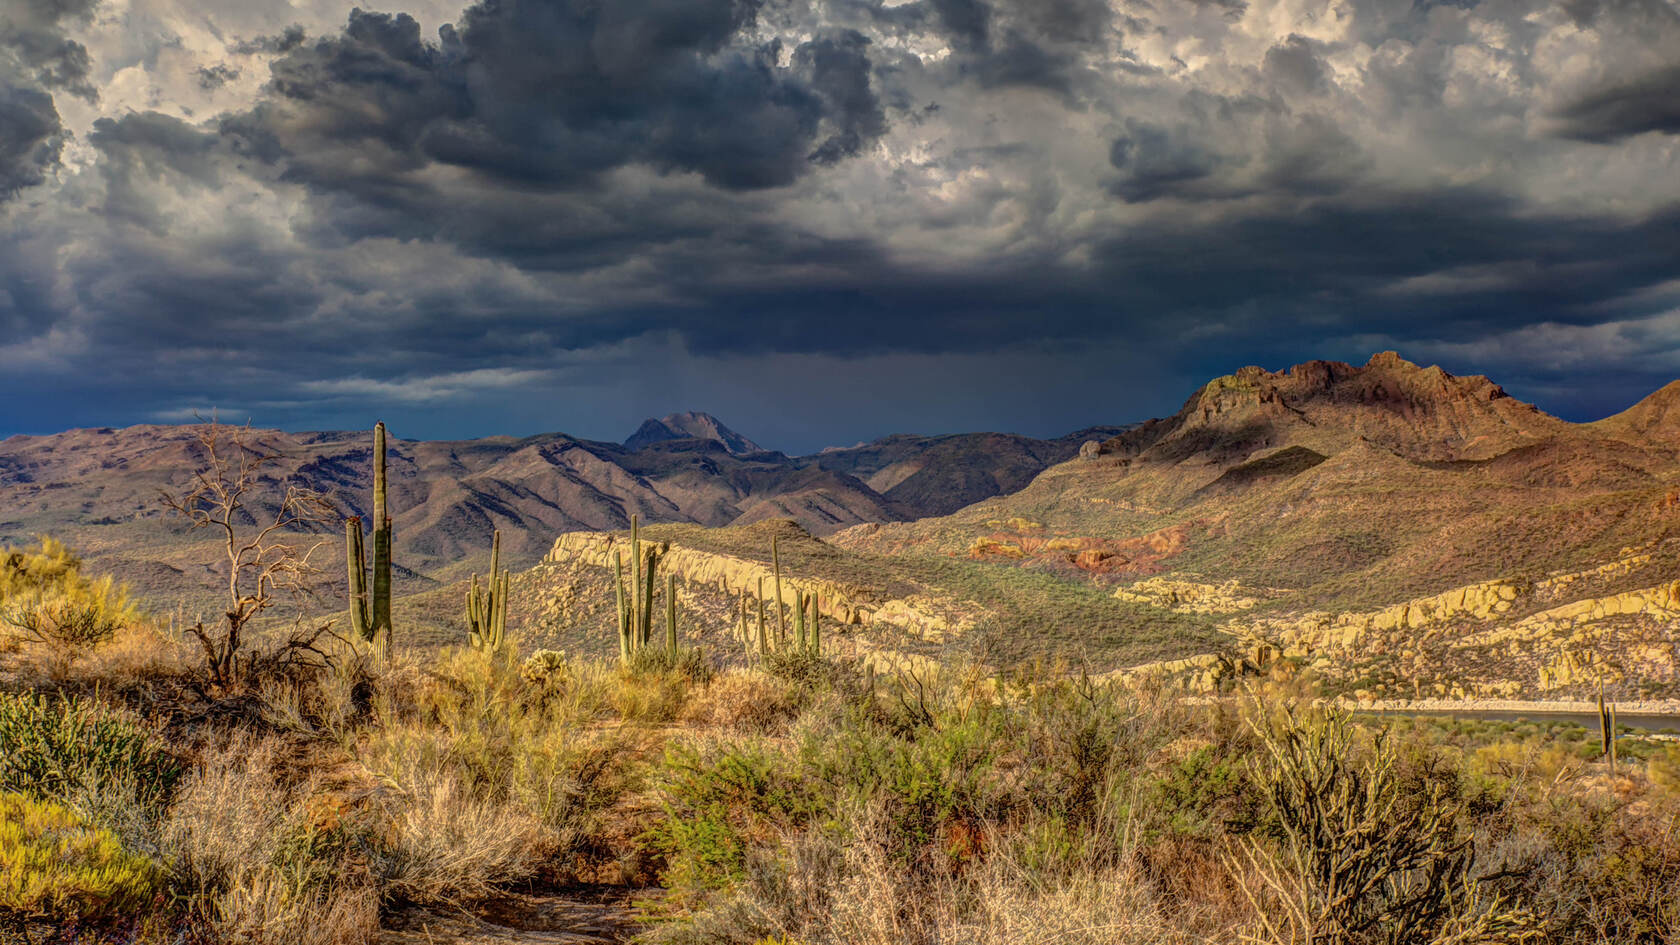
(261, 564)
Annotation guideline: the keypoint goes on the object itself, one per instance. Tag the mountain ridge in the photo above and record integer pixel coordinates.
(98, 489)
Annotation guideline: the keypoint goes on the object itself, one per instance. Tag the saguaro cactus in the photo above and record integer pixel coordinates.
(635, 610)
(355, 559)
(381, 615)
(763, 635)
(624, 636)
(776, 565)
(371, 612)
(671, 615)
(487, 607)
(1607, 728)
(816, 626)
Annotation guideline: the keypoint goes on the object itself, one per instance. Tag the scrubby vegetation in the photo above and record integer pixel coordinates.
(45, 596)
(805, 800)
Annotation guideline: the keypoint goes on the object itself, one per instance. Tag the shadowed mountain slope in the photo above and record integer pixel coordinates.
(98, 489)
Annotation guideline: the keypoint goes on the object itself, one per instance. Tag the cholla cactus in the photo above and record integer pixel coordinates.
(1365, 858)
(545, 668)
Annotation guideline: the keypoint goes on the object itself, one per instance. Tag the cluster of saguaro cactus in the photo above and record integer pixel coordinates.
(370, 613)
(635, 603)
(807, 620)
(1607, 728)
(487, 606)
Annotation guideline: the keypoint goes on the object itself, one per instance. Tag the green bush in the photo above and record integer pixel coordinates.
(54, 866)
(719, 803)
(49, 747)
(44, 594)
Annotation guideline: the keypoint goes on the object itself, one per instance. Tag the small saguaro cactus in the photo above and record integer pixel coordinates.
(816, 625)
(635, 609)
(763, 634)
(1607, 728)
(776, 565)
(487, 606)
(671, 615)
(370, 612)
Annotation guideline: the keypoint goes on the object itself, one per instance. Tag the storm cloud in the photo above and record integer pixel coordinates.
(566, 214)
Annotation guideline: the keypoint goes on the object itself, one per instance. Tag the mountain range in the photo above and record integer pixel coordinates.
(1389, 527)
(99, 489)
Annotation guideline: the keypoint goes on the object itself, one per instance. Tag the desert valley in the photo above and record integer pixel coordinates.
(705, 663)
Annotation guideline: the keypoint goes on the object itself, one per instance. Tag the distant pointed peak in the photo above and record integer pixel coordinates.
(690, 425)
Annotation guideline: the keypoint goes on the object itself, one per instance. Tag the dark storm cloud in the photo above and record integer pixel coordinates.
(592, 193)
(29, 137)
(1296, 66)
(286, 40)
(550, 95)
(1649, 102)
(36, 59)
(211, 78)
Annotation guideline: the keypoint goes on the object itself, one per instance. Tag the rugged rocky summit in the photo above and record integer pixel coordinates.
(1387, 524)
(691, 426)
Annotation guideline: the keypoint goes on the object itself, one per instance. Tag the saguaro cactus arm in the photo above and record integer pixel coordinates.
(355, 561)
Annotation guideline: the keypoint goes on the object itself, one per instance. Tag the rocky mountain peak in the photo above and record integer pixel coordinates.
(690, 425)
(1416, 412)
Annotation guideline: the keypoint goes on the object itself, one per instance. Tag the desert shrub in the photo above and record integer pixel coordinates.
(44, 594)
(55, 866)
(746, 701)
(50, 747)
(935, 790)
(800, 666)
(496, 776)
(1202, 793)
(1365, 858)
(719, 803)
(688, 663)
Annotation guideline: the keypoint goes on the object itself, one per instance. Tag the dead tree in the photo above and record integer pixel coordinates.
(265, 554)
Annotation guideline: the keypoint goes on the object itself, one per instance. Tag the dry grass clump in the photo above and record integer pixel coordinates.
(263, 860)
(745, 701)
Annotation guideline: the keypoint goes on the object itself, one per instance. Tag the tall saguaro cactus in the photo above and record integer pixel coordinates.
(370, 612)
(671, 615)
(355, 556)
(381, 615)
(487, 608)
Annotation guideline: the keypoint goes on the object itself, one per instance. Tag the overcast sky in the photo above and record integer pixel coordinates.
(821, 220)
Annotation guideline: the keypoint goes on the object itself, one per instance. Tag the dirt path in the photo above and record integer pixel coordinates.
(584, 915)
